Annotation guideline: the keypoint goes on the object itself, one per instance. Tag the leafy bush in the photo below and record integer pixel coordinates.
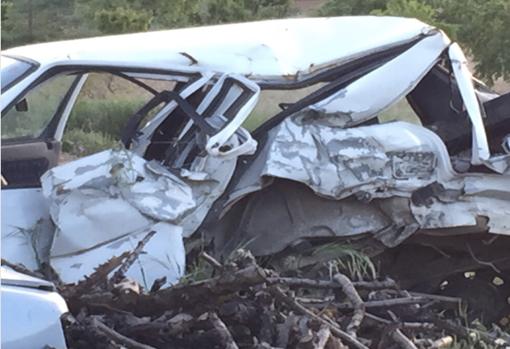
(81, 143)
(105, 116)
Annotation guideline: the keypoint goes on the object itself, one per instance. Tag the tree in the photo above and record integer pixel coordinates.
(121, 16)
(481, 26)
(351, 7)
(6, 6)
(122, 20)
(29, 21)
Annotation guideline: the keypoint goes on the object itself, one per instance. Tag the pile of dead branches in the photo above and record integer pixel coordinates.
(243, 305)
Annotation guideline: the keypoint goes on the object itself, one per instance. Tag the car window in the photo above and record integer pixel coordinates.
(29, 118)
(12, 70)
(400, 111)
(271, 103)
(102, 109)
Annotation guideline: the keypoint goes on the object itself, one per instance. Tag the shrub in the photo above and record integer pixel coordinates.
(105, 116)
(81, 143)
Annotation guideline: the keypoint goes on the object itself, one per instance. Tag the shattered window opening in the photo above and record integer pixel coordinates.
(105, 104)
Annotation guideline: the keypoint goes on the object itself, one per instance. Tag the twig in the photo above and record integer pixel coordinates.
(211, 260)
(117, 337)
(489, 264)
(311, 283)
(223, 330)
(98, 276)
(409, 325)
(131, 258)
(437, 297)
(402, 340)
(356, 301)
(385, 303)
(278, 293)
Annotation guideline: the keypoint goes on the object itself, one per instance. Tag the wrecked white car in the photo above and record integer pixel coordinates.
(326, 165)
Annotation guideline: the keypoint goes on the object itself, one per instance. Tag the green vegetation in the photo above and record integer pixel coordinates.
(27, 21)
(41, 104)
(482, 26)
(102, 115)
(81, 143)
(97, 124)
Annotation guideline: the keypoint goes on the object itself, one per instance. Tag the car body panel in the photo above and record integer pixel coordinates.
(31, 311)
(265, 49)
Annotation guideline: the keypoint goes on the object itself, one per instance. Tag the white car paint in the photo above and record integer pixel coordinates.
(31, 311)
(265, 49)
(23, 211)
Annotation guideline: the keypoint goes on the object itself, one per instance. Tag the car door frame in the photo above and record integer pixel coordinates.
(42, 153)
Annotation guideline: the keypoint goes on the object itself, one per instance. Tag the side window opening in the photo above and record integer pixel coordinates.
(30, 117)
(400, 111)
(102, 109)
(271, 102)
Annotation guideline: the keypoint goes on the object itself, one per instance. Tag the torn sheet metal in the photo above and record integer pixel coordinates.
(19, 228)
(480, 147)
(396, 161)
(104, 203)
(164, 256)
(109, 195)
(483, 195)
(370, 95)
(337, 162)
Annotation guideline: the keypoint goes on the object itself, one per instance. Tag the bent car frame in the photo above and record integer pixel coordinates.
(323, 166)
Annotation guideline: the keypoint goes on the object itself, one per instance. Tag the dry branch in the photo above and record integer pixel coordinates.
(356, 301)
(335, 329)
(117, 337)
(131, 258)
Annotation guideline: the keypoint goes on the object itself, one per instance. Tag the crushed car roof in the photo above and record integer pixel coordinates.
(274, 48)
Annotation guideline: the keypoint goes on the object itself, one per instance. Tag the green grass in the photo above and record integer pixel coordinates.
(42, 103)
(80, 143)
(106, 116)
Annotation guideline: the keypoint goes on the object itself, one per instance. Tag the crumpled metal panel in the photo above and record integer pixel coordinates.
(164, 255)
(337, 162)
(299, 215)
(208, 177)
(373, 93)
(103, 204)
(499, 163)
(108, 195)
(482, 195)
